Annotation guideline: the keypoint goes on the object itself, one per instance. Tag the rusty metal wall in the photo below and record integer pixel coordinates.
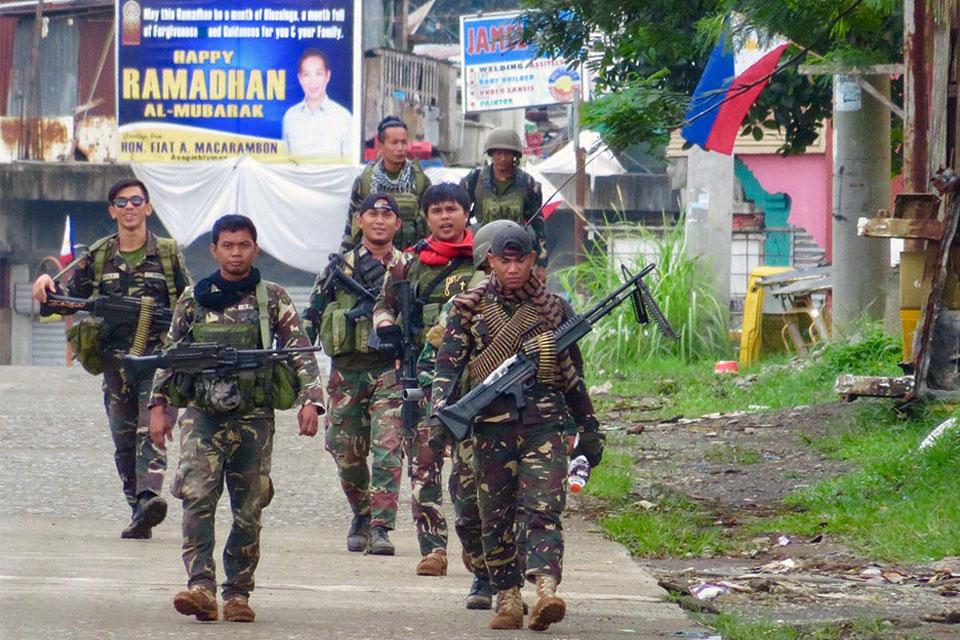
(58, 66)
(8, 27)
(94, 31)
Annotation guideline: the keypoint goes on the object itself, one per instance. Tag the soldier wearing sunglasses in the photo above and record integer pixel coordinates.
(132, 262)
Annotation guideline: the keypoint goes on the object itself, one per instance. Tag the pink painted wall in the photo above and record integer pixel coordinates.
(806, 179)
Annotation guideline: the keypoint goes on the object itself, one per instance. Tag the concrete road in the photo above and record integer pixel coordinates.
(65, 572)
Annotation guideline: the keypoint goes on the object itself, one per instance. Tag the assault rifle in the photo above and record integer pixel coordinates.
(513, 376)
(407, 353)
(116, 306)
(337, 278)
(198, 357)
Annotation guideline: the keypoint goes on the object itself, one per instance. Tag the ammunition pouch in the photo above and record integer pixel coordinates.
(84, 339)
(339, 335)
(220, 393)
(285, 385)
(180, 389)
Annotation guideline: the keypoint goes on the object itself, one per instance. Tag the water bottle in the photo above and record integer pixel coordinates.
(578, 473)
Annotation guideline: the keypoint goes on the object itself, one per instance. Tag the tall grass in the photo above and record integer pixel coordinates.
(680, 285)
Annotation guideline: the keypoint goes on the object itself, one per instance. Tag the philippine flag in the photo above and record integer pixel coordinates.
(721, 99)
(66, 247)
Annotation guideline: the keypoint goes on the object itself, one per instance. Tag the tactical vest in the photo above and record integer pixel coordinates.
(489, 206)
(414, 226)
(92, 337)
(431, 301)
(340, 335)
(242, 391)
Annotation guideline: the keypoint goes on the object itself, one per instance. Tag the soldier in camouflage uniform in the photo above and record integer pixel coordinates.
(502, 191)
(133, 262)
(520, 456)
(397, 175)
(438, 268)
(227, 433)
(462, 482)
(363, 414)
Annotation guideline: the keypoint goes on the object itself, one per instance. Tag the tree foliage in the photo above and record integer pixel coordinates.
(654, 51)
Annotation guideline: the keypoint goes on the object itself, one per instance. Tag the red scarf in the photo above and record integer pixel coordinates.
(438, 253)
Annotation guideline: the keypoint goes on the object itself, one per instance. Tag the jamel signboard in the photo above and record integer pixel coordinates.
(500, 71)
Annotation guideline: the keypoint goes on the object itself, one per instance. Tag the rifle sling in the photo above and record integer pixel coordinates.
(266, 339)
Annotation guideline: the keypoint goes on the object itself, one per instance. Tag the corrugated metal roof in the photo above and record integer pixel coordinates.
(27, 7)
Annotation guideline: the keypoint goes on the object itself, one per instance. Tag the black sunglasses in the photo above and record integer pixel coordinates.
(121, 202)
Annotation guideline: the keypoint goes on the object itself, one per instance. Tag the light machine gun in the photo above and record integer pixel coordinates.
(517, 372)
(126, 309)
(199, 357)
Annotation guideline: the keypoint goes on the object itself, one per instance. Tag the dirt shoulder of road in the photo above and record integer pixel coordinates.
(739, 467)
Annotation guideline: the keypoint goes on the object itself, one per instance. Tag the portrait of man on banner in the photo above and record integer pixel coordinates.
(317, 126)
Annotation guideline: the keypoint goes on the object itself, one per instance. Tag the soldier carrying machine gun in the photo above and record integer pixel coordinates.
(511, 377)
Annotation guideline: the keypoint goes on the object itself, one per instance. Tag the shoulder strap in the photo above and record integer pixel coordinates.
(99, 259)
(167, 248)
(266, 339)
(472, 184)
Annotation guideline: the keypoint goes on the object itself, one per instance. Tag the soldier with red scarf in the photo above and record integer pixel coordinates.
(438, 268)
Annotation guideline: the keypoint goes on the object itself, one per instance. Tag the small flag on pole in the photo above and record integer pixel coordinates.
(724, 94)
(66, 247)
(550, 207)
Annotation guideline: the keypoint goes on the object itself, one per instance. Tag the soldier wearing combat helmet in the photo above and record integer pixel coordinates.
(520, 454)
(501, 190)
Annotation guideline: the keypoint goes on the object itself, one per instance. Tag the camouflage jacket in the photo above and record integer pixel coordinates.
(519, 200)
(544, 404)
(284, 325)
(387, 307)
(319, 299)
(145, 279)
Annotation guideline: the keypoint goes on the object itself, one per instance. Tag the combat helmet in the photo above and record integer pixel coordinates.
(484, 236)
(503, 139)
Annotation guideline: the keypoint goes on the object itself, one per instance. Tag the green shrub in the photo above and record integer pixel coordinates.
(679, 284)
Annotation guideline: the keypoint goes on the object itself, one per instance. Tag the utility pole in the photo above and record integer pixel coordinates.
(404, 14)
(30, 110)
(861, 186)
(708, 231)
(581, 180)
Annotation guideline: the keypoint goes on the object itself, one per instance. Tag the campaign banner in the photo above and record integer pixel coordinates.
(276, 80)
(500, 71)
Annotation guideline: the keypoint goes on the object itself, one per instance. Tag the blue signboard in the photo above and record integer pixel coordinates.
(273, 79)
(500, 71)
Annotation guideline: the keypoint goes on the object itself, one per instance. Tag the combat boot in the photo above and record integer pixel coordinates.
(380, 544)
(359, 534)
(237, 609)
(509, 614)
(149, 511)
(433, 564)
(548, 608)
(481, 593)
(198, 601)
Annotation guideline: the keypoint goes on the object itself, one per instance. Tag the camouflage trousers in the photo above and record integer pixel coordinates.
(140, 464)
(363, 417)
(463, 495)
(426, 501)
(213, 449)
(521, 467)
